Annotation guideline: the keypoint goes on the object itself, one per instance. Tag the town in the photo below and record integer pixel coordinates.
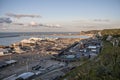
(59, 40)
(37, 58)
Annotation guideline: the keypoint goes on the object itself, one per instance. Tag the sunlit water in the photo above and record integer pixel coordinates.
(9, 40)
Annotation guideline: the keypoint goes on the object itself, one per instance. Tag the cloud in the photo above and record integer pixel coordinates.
(47, 25)
(52, 25)
(101, 20)
(18, 24)
(4, 28)
(5, 20)
(34, 24)
(44, 25)
(91, 20)
(22, 15)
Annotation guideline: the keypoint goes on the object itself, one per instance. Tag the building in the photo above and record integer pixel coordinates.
(25, 76)
(3, 52)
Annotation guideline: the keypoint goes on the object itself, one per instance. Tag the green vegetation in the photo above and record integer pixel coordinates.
(113, 32)
(106, 66)
(91, 32)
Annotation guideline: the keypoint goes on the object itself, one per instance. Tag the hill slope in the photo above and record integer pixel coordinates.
(104, 67)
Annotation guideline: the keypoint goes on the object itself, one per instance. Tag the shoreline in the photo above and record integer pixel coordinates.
(17, 38)
(6, 36)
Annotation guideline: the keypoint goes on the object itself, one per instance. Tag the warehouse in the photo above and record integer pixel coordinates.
(25, 76)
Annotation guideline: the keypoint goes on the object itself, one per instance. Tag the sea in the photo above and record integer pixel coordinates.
(8, 38)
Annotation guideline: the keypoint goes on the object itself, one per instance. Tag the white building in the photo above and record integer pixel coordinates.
(3, 52)
(92, 47)
(109, 38)
(24, 76)
(18, 50)
(27, 41)
(35, 39)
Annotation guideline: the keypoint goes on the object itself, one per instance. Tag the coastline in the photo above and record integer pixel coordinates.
(9, 36)
(8, 40)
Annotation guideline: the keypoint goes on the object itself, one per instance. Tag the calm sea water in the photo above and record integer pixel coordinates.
(9, 40)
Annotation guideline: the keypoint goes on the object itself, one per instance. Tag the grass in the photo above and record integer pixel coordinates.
(106, 66)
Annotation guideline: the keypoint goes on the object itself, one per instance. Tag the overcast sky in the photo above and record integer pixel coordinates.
(58, 15)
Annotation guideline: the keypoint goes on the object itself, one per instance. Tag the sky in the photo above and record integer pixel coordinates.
(58, 15)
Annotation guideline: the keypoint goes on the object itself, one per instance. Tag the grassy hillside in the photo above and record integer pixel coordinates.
(104, 67)
(113, 32)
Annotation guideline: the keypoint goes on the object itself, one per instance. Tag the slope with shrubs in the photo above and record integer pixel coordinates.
(106, 66)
